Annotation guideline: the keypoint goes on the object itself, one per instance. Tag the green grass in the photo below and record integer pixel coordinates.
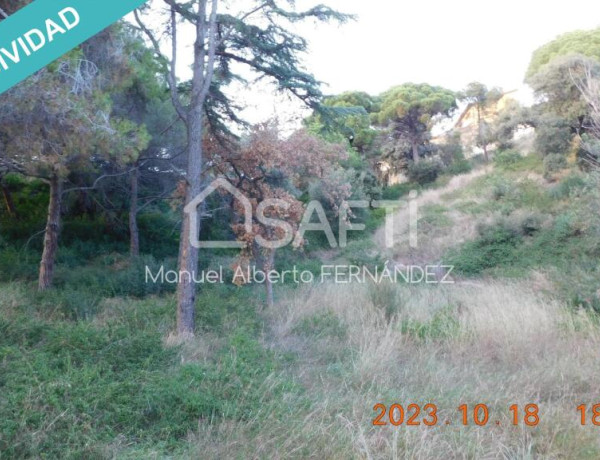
(324, 324)
(70, 386)
(85, 372)
(553, 229)
(443, 325)
(511, 160)
(434, 216)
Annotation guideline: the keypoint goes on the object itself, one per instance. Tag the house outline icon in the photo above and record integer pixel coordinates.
(192, 207)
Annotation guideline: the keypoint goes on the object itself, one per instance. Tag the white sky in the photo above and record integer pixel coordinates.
(446, 43)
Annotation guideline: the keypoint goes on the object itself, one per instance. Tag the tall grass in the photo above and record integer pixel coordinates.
(495, 342)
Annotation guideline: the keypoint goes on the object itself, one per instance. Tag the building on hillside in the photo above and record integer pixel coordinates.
(468, 127)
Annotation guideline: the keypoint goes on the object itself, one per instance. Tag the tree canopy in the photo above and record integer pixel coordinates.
(421, 100)
(555, 87)
(555, 68)
(582, 42)
(346, 117)
(411, 110)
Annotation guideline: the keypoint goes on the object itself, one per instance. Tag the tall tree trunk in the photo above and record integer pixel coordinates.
(203, 72)
(134, 232)
(485, 153)
(188, 255)
(51, 235)
(415, 151)
(10, 205)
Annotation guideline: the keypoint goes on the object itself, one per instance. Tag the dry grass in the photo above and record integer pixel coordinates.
(493, 342)
(496, 342)
(433, 242)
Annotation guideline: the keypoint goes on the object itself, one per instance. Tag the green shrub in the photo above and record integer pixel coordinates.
(158, 235)
(554, 163)
(507, 159)
(18, 265)
(362, 253)
(579, 284)
(525, 223)
(565, 226)
(495, 247)
(501, 189)
(459, 167)
(98, 230)
(553, 135)
(375, 219)
(569, 186)
(588, 153)
(531, 224)
(397, 191)
(424, 172)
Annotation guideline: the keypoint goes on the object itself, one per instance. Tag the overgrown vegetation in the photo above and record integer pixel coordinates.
(99, 361)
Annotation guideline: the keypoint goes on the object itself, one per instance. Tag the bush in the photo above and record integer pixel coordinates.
(524, 222)
(531, 223)
(397, 191)
(553, 135)
(565, 226)
(554, 163)
(570, 185)
(424, 172)
(495, 247)
(588, 153)
(159, 235)
(459, 167)
(507, 159)
(500, 189)
(18, 265)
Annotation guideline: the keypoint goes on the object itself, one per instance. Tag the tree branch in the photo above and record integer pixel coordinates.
(188, 14)
(97, 181)
(172, 77)
(170, 70)
(153, 199)
(241, 18)
(212, 40)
